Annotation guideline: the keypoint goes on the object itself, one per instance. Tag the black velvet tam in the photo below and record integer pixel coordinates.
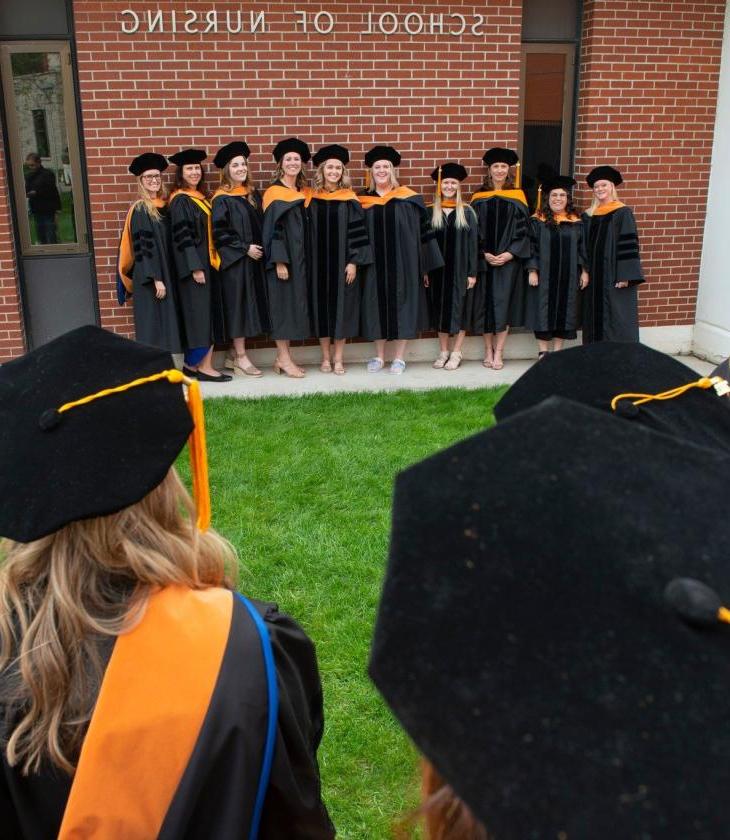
(604, 173)
(188, 156)
(524, 639)
(291, 144)
(595, 373)
(226, 153)
(382, 153)
(499, 155)
(450, 170)
(558, 182)
(333, 152)
(93, 459)
(148, 160)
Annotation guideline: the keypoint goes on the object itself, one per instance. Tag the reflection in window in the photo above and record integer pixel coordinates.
(38, 91)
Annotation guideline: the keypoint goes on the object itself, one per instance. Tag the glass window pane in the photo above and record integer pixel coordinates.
(542, 137)
(550, 20)
(41, 125)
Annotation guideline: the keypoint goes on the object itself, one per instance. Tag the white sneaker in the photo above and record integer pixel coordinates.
(397, 366)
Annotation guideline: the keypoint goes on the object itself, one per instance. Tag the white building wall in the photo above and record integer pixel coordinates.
(711, 338)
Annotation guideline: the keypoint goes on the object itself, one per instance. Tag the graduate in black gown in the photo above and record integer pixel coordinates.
(504, 242)
(196, 264)
(610, 304)
(557, 266)
(394, 306)
(340, 245)
(143, 696)
(238, 237)
(287, 242)
(144, 261)
(456, 228)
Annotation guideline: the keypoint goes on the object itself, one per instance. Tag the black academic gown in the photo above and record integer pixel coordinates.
(287, 240)
(558, 256)
(498, 300)
(237, 224)
(338, 237)
(394, 304)
(447, 289)
(612, 245)
(215, 796)
(156, 322)
(199, 302)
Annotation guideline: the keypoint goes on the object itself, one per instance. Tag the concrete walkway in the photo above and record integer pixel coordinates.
(418, 376)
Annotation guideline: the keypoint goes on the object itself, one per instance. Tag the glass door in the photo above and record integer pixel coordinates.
(44, 149)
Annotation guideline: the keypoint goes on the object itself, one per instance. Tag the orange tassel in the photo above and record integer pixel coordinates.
(518, 175)
(367, 180)
(199, 456)
(538, 209)
(438, 184)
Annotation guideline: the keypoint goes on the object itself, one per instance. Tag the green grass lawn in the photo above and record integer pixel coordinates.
(302, 487)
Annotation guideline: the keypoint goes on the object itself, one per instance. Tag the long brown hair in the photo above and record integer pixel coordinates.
(182, 184)
(445, 816)
(62, 595)
(227, 184)
(301, 177)
(488, 183)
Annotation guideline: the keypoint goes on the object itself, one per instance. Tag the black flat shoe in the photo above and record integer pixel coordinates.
(189, 372)
(206, 377)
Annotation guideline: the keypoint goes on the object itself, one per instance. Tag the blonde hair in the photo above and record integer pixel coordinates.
(61, 595)
(343, 184)
(437, 216)
(594, 204)
(393, 180)
(301, 177)
(146, 202)
(227, 183)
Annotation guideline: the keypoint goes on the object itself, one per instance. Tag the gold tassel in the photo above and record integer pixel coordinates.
(438, 184)
(199, 455)
(518, 175)
(367, 180)
(538, 209)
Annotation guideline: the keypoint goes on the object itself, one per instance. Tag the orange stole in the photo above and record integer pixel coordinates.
(335, 195)
(558, 218)
(233, 191)
(605, 209)
(278, 193)
(516, 195)
(152, 703)
(198, 198)
(125, 263)
(368, 201)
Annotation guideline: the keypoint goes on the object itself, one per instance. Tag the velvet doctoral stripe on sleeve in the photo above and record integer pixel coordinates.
(156, 322)
(190, 252)
(338, 237)
(611, 314)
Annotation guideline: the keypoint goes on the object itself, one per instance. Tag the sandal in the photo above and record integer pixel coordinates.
(454, 360)
(441, 360)
(339, 368)
(497, 364)
(243, 370)
(326, 366)
(290, 369)
(375, 364)
(488, 362)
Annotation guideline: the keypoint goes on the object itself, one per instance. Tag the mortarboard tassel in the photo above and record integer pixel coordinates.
(538, 208)
(367, 180)
(438, 185)
(721, 386)
(196, 441)
(518, 175)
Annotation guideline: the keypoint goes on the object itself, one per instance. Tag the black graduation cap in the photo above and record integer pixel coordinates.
(558, 182)
(596, 373)
(528, 638)
(188, 156)
(723, 371)
(499, 155)
(226, 153)
(333, 152)
(450, 170)
(604, 173)
(382, 153)
(292, 144)
(148, 160)
(60, 463)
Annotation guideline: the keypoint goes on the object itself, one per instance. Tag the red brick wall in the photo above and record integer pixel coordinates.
(648, 92)
(432, 96)
(11, 324)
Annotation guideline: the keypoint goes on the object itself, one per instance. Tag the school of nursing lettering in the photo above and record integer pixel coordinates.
(321, 261)
(321, 22)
